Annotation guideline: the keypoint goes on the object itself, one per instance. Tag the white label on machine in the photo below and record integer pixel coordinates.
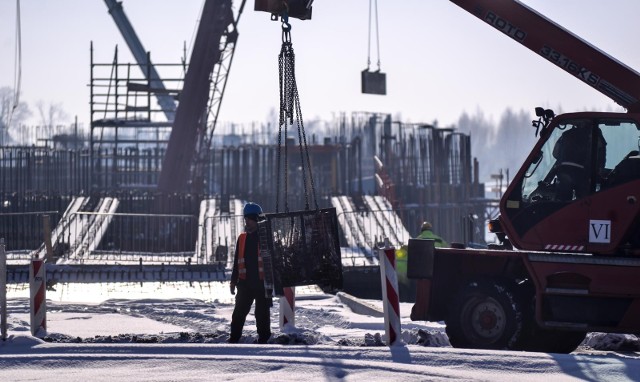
(599, 231)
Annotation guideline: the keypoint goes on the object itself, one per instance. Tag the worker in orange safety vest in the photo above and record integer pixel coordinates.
(248, 278)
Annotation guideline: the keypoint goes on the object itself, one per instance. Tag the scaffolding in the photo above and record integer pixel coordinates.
(129, 131)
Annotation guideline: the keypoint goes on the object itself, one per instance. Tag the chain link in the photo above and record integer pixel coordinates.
(290, 112)
(280, 124)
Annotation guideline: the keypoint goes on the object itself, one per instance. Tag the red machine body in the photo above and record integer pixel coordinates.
(569, 225)
(603, 218)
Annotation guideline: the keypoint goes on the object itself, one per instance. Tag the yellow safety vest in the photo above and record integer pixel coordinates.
(428, 234)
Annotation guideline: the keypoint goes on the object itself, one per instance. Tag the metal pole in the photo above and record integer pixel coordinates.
(3, 291)
(46, 222)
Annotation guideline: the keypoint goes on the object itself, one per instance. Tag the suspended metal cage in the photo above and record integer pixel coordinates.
(301, 248)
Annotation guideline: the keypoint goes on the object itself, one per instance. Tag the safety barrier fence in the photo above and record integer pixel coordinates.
(217, 242)
(154, 245)
(24, 230)
(363, 231)
(123, 237)
(56, 273)
(97, 237)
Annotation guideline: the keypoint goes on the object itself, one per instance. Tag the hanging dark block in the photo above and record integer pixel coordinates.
(301, 248)
(299, 9)
(374, 82)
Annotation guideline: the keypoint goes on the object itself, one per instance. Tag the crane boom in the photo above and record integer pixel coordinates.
(166, 102)
(561, 47)
(192, 108)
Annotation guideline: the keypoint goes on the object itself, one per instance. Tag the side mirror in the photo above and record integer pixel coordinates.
(544, 118)
(549, 114)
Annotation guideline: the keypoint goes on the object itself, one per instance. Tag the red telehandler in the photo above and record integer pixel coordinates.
(568, 261)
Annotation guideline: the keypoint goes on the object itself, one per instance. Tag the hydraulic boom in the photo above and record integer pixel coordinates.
(561, 47)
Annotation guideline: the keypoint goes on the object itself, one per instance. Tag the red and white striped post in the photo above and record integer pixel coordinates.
(390, 296)
(287, 308)
(38, 301)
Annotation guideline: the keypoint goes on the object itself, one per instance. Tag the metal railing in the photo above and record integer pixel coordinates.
(218, 238)
(125, 238)
(363, 231)
(24, 231)
(99, 237)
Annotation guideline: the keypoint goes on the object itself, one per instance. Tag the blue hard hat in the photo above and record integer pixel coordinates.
(251, 209)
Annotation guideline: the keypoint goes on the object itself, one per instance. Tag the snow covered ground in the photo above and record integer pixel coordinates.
(170, 332)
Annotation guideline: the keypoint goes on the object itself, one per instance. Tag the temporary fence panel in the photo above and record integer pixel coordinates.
(103, 237)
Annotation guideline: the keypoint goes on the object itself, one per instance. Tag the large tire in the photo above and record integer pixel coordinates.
(536, 339)
(485, 315)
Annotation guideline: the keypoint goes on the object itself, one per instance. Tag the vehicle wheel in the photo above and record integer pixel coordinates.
(485, 315)
(536, 339)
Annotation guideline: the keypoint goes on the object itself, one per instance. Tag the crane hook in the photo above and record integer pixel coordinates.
(286, 27)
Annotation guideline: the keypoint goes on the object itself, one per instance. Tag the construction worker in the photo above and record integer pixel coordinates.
(573, 165)
(422, 288)
(248, 278)
(426, 232)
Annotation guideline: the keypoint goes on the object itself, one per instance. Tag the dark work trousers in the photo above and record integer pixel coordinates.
(245, 295)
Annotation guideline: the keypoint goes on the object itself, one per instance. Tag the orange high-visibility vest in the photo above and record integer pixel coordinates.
(242, 270)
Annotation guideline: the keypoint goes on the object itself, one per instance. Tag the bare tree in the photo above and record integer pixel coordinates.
(51, 115)
(11, 116)
(499, 146)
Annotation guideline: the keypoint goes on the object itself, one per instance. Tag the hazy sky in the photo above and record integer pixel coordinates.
(439, 59)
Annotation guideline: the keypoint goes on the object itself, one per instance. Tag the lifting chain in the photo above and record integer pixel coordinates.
(290, 110)
(373, 7)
